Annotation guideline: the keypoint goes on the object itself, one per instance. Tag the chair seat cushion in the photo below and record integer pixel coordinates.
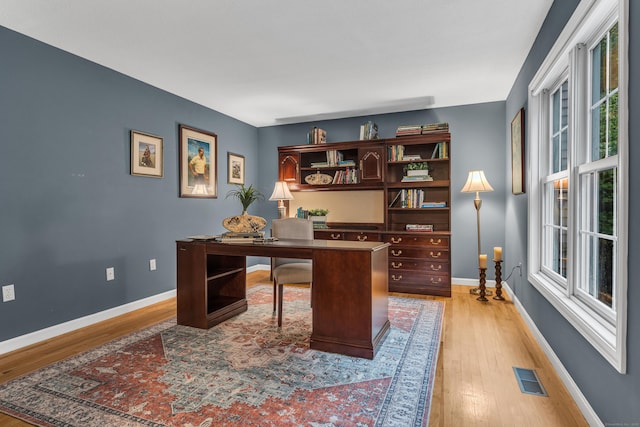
(296, 272)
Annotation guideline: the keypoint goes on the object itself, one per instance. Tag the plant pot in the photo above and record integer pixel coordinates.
(244, 223)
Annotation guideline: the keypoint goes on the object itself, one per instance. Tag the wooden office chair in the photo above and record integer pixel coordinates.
(290, 270)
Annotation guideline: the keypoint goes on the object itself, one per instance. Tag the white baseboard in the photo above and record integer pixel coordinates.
(584, 406)
(471, 282)
(72, 325)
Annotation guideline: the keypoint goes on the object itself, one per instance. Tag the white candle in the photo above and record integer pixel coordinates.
(497, 253)
(482, 260)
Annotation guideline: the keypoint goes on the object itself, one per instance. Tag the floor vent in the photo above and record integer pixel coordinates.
(529, 382)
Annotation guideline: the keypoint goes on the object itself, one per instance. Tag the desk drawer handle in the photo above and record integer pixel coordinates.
(438, 255)
(436, 281)
(362, 238)
(182, 249)
(395, 279)
(393, 252)
(434, 268)
(335, 236)
(436, 242)
(394, 240)
(394, 265)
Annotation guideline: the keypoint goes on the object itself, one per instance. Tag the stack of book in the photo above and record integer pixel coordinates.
(435, 127)
(406, 130)
(317, 136)
(369, 130)
(418, 178)
(419, 227)
(433, 205)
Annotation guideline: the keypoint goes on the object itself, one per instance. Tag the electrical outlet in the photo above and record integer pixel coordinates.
(152, 264)
(111, 274)
(8, 293)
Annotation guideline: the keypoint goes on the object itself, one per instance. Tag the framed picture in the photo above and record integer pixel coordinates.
(235, 165)
(147, 157)
(198, 163)
(517, 153)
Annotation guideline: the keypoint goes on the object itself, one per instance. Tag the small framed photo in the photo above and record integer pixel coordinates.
(235, 164)
(517, 153)
(147, 156)
(198, 163)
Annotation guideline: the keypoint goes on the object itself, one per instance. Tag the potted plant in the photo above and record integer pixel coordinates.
(417, 168)
(319, 217)
(245, 223)
(246, 195)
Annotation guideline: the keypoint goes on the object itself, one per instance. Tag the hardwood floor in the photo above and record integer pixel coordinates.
(474, 386)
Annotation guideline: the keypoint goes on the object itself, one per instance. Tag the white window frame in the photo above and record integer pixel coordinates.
(605, 330)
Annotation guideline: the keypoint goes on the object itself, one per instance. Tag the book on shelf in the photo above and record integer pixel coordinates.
(347, 176)
(368, 131)
(417, 178)
(395, 199)
(433, 205)
(334, 157)
(440, 151)
(419, 227)
(317, 136)
(410, 198)
(412, 157)
(395, 153)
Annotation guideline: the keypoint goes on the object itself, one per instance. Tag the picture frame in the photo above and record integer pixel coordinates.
(517, 153)
(147, 155)
(235, 168)
(198, 163)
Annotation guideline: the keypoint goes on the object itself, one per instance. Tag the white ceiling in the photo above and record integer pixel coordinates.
(287, 61)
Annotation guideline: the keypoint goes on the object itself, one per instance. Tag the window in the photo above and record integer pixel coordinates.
(578, 197)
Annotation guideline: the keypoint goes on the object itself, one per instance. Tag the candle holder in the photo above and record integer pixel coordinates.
(482, 289)
(498, 295)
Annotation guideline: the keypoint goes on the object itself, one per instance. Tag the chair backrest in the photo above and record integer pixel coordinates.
(291, 228)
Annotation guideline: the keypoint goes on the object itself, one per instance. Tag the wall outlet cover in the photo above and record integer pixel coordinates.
(8, 293)
(111, 274)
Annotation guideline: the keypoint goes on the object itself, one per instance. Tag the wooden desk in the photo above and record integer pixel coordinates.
(350, 288)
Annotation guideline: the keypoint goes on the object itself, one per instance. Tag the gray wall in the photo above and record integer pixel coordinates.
(477, 142)
(613, 396)
(69, 207)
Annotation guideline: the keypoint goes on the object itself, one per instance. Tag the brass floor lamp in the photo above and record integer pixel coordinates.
(477, 182)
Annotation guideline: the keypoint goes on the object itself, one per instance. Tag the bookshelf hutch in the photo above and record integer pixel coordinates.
(419, 261)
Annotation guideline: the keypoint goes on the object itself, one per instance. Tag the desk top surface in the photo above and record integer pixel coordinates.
(301, 244)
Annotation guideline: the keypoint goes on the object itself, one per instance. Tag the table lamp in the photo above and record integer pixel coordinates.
(281, 193)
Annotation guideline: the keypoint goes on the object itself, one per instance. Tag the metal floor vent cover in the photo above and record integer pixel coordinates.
(529, 382)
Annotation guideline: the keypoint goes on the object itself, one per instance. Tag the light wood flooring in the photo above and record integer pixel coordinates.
(474, 386)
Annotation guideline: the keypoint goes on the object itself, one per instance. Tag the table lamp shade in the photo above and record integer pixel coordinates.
(281, 192)
(476, 182)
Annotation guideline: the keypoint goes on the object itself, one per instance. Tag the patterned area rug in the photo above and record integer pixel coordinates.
(243, 372)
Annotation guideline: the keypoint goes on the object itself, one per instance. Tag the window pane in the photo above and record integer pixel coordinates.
(563, 150)
(599, 70)
(613, 58)
(555, 108)
(606, 201)
(556, 154)
(600, 280)
(612, 148)
(560, 252)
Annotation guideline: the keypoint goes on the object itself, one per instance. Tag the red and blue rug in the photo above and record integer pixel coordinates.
(243, 372)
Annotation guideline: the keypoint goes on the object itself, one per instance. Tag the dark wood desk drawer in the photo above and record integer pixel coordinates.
(361, 236)
(413, 240)
(418, 278)
(424, 254)
(328, 235)
(434, 267)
